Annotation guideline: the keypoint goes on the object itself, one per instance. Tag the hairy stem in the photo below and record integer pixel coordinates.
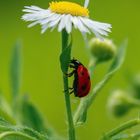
(66, 92)
(121, 128)
(12, 133)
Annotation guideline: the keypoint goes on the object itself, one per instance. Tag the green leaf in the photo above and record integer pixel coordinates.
(31, 132)
(15, 69)
(4, 125)
(81, 113)
(120, 137)
(13, 135)
(14, 131)
(30, 116)
(65, 58)
(130, 136)
(5, 110)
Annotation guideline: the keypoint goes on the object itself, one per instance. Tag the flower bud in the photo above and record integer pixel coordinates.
(119, 103)
(136, 86)
(102, 50)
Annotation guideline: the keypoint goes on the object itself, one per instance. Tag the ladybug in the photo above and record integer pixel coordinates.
(81, 83)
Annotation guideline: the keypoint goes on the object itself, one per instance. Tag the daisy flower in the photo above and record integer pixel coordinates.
(65, 15)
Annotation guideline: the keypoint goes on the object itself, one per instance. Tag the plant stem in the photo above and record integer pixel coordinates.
(136, 135)
(66, 92)
(121, 128)
(92, 64)
(12, 133)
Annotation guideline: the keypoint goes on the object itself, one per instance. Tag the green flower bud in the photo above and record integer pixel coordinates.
(102, 50)
(119, 103)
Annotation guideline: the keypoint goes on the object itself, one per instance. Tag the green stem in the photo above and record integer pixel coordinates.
(121, 128)
(71, 128)
(135, 136)
(92, 64)
(12, 133)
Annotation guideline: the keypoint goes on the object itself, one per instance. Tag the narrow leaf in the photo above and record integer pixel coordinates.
(30, 116)
(4, 125)
(15, 70)
(121, 128)
(132, 136)
(81, 113)
(5, 110)
(17, 130)
(13, 135)
(65, 58)
(31, 132)
(120, 137)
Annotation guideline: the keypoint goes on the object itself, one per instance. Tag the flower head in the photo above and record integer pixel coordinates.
(72, 8)
(65, 15)
(102, 50)
(120, 103)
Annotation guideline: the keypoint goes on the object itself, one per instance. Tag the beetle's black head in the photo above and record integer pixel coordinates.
(75, 62)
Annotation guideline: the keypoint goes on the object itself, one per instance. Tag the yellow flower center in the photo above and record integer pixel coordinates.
(64, 7)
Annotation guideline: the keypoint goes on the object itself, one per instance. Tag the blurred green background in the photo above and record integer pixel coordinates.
(41, 69)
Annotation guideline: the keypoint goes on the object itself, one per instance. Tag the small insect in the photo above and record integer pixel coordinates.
(81, 83)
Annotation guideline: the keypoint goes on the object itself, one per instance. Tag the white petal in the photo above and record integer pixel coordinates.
(100, 28)
(80, 25)
(98, 35)
(68, 23)
(96, 27)
(35, 8)
(86, 3)
(61, 25)
(29, 11)
(44, 28)
(51, 23)
(36, 16)
(55, 22)
(75, 22)
(33, 24)
(32, 9)
(94, 31)
(34, 13)
(49, 18)
(105, 25)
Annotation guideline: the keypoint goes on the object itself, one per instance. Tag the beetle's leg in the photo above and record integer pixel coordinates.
(72, 91)
(70, 74)
(70, 88)
(71, 66)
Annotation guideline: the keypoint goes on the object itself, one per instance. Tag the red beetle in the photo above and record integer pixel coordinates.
(81, 83)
